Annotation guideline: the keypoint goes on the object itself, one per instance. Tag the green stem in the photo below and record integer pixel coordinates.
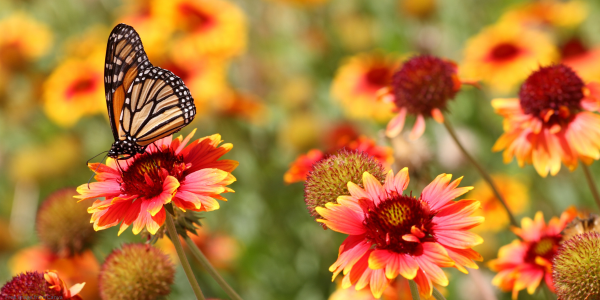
(482, 171)
(211, 270)
(182, 258)
(590, 181)
(437, 295)
(414, 291)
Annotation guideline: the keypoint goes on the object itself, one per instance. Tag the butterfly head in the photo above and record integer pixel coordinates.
(126, 148)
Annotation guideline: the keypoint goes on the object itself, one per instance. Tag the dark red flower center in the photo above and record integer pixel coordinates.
(145, 175)
(423, 83)
(552, 94)
(30, 285)
(378, 76)
(195, 18)
(504, 52)
(394, 217)
(81, 85)
(546, 248)
(574, 47)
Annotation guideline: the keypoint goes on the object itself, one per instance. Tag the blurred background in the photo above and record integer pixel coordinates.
(277, 78)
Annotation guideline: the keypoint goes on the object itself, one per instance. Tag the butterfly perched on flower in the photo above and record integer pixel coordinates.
(145, 103)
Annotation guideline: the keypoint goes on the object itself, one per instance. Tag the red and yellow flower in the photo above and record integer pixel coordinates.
(555, 13)
(393, 234)
(191, 177)
(300, 168)
(358, 81)
(83, 267)
(551, 121)
(154, 22)
(215, 28)
(421, 87)
(514, 192)
(75, 89)
(524, 263)
(583, 60)
(23, 40)
(36, 285)
(502, 55)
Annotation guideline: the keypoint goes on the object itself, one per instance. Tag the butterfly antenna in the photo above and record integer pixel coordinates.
(88, 184)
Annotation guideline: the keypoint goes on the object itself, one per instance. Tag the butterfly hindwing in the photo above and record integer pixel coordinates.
(125, 58)
(157, 104)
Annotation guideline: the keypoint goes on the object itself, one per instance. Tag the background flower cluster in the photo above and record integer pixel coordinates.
(288, 82)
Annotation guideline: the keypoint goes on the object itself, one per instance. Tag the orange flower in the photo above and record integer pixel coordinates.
(35, 285)
(504, 54)
(547, 12)
(514, 192)
(82, 267)
(23, 40)
(523, 263)
(300, 168)
(244, 106)
(551, 121)
(357, 82)
(74, 89)
(191, 177)
(432, 232)
(583, 60)
(216, 28)
(421, 87)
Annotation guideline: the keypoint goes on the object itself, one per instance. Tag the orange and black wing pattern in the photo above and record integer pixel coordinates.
(125, 59)
(145, 103)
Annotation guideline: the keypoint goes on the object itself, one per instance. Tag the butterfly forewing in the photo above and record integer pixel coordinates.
(145, 103)
(125, 58)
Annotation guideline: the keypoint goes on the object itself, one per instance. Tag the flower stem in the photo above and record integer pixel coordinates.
(481, 170)
(414, 291)
(590, 181)
(437, 295)
(211, 270)
(184, 262)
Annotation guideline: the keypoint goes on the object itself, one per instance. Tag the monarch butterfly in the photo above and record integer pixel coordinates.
(145, 103)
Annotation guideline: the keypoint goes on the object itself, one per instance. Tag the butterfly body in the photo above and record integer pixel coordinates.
(145, 103)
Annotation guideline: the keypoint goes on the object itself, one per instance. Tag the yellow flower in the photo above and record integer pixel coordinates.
(206, 79)
(302, 2)
(503, 55)
(75, 89)
(548, 12)
(44, 161)
(212, 27)
(357, 83)
(154, 21)
(23, 40)
(515, 194)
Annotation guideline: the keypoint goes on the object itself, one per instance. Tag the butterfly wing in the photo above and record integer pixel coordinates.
(157, 104)
(125, 59)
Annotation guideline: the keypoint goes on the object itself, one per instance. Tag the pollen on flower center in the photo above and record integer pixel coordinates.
(144, 177)
(425, 83)
(544, 248)
(504, 51)
(552, 93)
(394, 217)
